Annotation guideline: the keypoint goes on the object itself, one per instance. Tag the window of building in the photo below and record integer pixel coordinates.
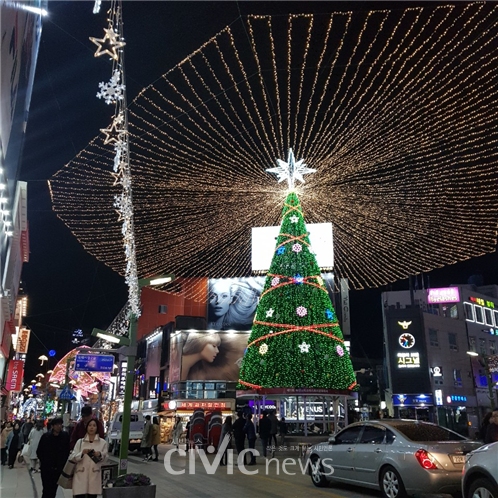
(433, 339)
(457, 377)
(469, 312)
(438, 382)
(454, 311)
(479, 314)
(163, 309)
(472, 344)
(492, 347)
(495, 313)
(482, 346)
(452, 339)
(488, 317)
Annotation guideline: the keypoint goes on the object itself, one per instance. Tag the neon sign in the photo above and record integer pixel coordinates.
(443, 295)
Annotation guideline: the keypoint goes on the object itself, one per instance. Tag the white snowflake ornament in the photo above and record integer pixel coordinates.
(294, 219)
(304, 347)
(113, 91)
(263, 349)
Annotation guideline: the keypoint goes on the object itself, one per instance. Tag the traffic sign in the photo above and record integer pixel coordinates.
(94, 362)
(66, 394)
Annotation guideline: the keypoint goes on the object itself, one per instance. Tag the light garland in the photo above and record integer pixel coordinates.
(392, 108)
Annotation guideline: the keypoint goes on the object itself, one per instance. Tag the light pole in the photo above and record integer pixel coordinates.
(130, 374)
(484, 361)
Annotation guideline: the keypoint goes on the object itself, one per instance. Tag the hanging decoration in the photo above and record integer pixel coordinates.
(117, 136)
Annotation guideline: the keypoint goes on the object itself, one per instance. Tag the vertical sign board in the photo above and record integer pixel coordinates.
(346, 324)
(15, 376)
(407, 351)
(22, 342)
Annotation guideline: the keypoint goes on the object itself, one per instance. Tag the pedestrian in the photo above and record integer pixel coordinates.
(177, 431)
(282, 430)
(14, 444)
(187, 435)
(33, 440)
(492, 430)
(52, 452)
(265, 431)
(26, 428)
(274, 430)
(89, 453)
(5, 434)
(226, 430)
(250, 432)
(79, 431)
(156, 437)
(484, 425)
(146, 443)
(239, 435)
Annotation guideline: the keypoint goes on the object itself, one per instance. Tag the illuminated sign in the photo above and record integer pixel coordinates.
(264, 238)
(207, 405)
(439, 397)
(404, 325)
(122, 377)
(15, 376)
(456, 398)
(437, 371)
(482, 302)
(406, 341)
(443, 295)
(412, 399)
(22, 341)
(408, 360)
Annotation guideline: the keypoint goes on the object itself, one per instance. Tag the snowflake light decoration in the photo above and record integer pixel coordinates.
(263, 349)
(113, 91)
(340, 350)
(275, 281)
(297, 247)
(280, 250)
(301, 311)
(330, 314)
(304, 347)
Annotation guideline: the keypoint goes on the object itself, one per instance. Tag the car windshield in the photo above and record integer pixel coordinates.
(427, 432)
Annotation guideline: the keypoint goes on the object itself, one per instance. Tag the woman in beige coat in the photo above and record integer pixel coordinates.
(87, 480)
(156, 436)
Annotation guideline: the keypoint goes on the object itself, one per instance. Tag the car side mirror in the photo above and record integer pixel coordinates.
(332, 440)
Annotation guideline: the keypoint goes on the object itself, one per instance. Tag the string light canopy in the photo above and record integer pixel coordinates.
(395, 110)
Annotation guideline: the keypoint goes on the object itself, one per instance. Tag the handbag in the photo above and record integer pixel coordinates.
(24, 456)
(66, 478)
(20, 458)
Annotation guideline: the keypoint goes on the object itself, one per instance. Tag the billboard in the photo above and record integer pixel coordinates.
(207, 355)
(232, 302)
(409, 368)
(264, 241)
(443, 295)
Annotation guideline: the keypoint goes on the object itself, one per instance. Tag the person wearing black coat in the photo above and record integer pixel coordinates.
(484, 426)
(52, 452)
(250, 432)
(492, 430)
(239, 435)
(265, 431)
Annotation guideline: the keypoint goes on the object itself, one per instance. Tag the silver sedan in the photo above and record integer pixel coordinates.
(399, 457)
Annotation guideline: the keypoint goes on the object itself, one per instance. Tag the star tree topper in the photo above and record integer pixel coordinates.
(291, 170)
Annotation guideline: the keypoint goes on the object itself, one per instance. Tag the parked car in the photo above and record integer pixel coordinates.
(136, 430)
(399, 457)
(480, 473)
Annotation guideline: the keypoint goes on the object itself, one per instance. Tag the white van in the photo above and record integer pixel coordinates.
(136, 430)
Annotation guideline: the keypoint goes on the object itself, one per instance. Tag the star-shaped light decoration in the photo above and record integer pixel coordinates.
(269, 313)
(109, 44)
(294, 219)
(114, 133)
(291, 170)
(304, 347)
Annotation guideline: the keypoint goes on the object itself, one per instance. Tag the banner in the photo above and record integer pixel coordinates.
(22, 341)
(15, 376)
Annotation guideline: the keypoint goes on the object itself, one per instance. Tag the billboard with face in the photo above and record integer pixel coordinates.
(207, 355)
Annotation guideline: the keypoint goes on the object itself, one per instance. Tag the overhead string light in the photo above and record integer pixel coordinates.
(395, 110)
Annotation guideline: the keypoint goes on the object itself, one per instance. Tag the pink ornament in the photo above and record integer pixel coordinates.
(297, 247)
(339, 350)
(301, 311)
(275, 281)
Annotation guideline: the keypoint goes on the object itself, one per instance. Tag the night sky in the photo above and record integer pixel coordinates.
(69, 289)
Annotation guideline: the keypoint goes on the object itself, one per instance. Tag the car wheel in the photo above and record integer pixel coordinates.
(391, 483)
(483, 488)
(317, 476)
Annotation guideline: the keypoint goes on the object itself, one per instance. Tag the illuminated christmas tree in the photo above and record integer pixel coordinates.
(296, 340)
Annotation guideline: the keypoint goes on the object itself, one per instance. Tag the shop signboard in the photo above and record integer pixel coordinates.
(413, 400)
(22, 341)
(443, 295)
(15, 376)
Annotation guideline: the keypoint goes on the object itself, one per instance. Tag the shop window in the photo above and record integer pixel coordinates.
(492, 347)
(454, 311)
(482, 346)
(469, 312)
(472, 344)
(479, 313)
(433, 339)
(457, 377)
(452, 339)
(488, 316)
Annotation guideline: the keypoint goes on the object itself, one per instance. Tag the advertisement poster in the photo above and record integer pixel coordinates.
(15, 376)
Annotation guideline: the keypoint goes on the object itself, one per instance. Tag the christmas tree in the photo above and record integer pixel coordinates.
(295, 340)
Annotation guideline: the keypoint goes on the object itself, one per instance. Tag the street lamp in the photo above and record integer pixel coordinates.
(484, 361)
(130, 371)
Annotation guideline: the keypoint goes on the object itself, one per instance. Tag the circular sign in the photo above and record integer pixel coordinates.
(52, 352)
(406, 340)
(172, 405)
